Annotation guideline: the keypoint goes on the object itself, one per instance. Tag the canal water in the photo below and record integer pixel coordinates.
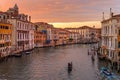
(51, 64)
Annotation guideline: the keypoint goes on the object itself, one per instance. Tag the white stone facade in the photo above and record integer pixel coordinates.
(23, 35)
(110, 30)
(85, 33)
(109, 37)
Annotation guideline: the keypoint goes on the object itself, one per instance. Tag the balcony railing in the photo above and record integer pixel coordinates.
(22, 39)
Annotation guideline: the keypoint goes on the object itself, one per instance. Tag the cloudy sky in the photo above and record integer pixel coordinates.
(65, 13)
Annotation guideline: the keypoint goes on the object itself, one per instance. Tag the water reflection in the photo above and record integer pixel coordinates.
(51, 64)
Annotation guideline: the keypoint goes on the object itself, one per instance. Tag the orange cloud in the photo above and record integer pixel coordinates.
(62, 10)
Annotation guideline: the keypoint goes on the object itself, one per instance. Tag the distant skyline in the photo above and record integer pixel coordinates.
(77, 24)
(65, 13)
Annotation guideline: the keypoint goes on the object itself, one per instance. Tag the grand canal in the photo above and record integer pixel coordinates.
(51, 64)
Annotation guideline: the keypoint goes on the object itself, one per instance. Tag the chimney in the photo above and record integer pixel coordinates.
(29, 18)
(103, 16)
(112, 14)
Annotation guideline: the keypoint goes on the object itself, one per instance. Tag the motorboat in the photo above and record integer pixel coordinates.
(106, 71)
(27, 53)
(18, 55)
(106, 74)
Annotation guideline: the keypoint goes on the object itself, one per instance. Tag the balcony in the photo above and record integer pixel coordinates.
(22, 29)
(4, 31)
(23, 39)
(5, 50)
(20, 39)
(8, 40)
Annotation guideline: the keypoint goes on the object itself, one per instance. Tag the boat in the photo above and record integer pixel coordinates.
(106, 74)
(69, 67)
(18, 55)
(27, 53)
(92, 57)
(100, 57)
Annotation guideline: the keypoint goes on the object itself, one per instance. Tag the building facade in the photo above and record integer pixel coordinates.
(39, 37)
(46, 29)
(110, 47)
(63, 36)
(22, 31)
(5, 39)
(86, 33)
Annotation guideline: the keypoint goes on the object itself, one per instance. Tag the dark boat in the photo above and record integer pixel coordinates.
(18, 55)
(69, 67)
(92, 57)
(100, 57)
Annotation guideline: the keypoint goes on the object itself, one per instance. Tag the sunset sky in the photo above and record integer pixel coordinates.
(65, 13)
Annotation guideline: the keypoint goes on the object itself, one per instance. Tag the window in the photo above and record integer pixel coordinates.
(119, 54)
(0, 36)
(118, 44)
(6, 27)
(119, 32)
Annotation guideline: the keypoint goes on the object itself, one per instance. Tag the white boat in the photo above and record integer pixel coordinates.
(108, 75)
(27, 52)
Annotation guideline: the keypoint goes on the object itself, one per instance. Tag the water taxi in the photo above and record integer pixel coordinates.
(106, 74)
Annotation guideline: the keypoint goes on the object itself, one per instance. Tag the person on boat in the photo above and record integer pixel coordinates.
(88, 52)
(69, 67)
(68, 64)
(92, 57)
(71, 64)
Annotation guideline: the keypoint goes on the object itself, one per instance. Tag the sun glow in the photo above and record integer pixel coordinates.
(97, 24)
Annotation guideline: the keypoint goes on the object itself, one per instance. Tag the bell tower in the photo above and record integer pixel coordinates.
(16, 9)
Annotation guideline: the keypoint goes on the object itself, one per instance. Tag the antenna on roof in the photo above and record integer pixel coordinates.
(103, 16)
(110, 10)
(111, 13)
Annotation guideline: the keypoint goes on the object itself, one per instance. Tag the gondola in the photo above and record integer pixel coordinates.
(92, 57)
(69, 67)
